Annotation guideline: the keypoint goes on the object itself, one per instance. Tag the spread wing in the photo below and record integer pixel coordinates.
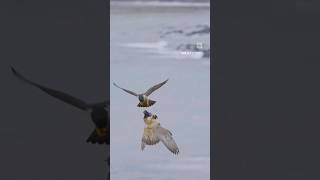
(149, 137)
(166, 138)
(130, 92)
(155, 87)
(54, 93)
(105, 104)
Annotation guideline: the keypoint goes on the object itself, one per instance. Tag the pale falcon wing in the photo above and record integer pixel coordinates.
(57, 94)
(155, 87)
(149, 137)
(128, 91)
(166, 138)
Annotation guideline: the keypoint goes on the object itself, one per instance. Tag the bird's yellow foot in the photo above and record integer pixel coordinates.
(101, 131)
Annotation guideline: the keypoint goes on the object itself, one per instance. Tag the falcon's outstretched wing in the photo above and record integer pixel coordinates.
(54, 93)
(130, 92)
(166, 138)
(155, 87)
(105, 104)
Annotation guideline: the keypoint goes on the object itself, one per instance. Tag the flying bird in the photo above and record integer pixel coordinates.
(99, 111)
(144, 100)
(153, 133)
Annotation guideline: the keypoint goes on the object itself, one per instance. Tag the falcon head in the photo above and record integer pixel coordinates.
(141, 98)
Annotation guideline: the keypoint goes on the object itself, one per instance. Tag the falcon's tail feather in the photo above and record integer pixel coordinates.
(151, 102)
(148, 104)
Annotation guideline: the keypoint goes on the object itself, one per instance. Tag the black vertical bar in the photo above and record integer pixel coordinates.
(266, 90)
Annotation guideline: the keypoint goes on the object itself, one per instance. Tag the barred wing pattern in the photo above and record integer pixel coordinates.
(166, 138)
(155, 87)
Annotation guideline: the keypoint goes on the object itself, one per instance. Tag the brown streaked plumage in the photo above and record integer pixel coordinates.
(154, 133)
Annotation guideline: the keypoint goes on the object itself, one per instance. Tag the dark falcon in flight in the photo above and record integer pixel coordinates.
(99, 111)
(144, 100)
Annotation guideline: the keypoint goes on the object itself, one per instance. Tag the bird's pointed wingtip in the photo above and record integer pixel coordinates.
(13, 70)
